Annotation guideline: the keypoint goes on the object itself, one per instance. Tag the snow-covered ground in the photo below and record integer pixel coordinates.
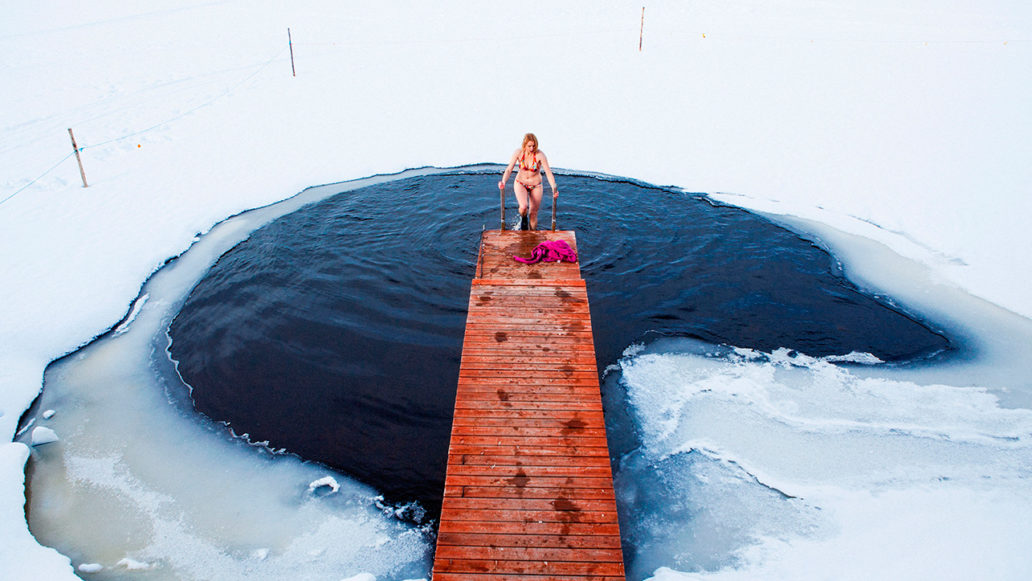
(904, 122)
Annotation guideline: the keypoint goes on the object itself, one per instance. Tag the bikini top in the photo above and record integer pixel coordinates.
(535, 167)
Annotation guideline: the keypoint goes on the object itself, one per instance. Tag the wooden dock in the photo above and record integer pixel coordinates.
(529, 489)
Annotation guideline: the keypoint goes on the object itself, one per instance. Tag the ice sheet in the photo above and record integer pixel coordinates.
(770, 465)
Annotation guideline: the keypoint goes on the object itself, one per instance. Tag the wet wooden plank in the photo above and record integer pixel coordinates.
(533, 392)
(521, 492)
(568, 554)
(526, 461)
(601, 471)
(531, 566)
(505, 577)
(564, 372)
(519, 540)
(567, 508)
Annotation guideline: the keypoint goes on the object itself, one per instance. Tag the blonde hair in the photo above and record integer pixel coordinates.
(531, 137)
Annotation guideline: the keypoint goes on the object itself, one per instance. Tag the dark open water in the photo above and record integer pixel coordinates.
(335, 332)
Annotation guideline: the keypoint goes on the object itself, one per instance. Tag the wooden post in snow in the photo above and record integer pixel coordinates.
(82, 172)
(641, 32)
(290, 43)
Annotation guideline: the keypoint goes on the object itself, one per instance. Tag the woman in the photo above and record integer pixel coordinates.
(528, 187)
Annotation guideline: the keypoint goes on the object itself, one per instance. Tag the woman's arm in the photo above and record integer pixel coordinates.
(508, 170)
(548, 173)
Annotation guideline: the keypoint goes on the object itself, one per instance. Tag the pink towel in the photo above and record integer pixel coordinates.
(550, 251)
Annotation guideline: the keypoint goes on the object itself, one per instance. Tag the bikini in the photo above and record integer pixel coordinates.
(534, 168)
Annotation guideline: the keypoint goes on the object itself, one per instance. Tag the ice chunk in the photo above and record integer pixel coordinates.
(48, 414)
(137, 307)
(324, 482)
(91, 568)
(855, 357)
(361, 577)
(41, 435)
(134, 565)
(29, 424)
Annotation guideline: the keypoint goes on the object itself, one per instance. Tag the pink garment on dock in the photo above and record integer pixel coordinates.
(550, 251)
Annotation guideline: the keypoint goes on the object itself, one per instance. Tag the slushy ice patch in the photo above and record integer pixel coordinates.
(748, 460)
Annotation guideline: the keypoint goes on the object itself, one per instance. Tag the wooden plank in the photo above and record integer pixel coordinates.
(545, 368)
(543, 528)
(572, 421)
(489, 347)
(520, 440)
(548, 359)
(496, 388)
(528, 492)
(601, 471)
(529, 335)
(482, 401)
(491, 431)
(542, 332)
(521, 479)
(501, 285)
(537, 336)
(490, 400)
(471, 391)
(567, 554)
(521, 567)
(526, 461)
(488, 382)
(580, 386)
(498, 404)
(523, 492)
(565, 372)
(540, 302)
(504, 577)
(534, 504)
(531, 516)
(538, 393)
(518, 540)
(572, 435)
(572, 417)
(554, 451)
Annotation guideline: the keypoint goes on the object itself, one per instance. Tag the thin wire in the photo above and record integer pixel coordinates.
(41, 176)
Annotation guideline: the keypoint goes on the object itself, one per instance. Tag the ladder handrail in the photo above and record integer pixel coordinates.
(501, 191)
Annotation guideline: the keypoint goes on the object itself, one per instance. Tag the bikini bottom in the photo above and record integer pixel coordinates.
(530, 187)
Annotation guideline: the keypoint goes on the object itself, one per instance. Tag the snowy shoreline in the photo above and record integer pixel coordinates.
(876, 114)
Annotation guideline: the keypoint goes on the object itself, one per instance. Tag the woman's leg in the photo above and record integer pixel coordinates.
(535, 204)
(522, 196)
